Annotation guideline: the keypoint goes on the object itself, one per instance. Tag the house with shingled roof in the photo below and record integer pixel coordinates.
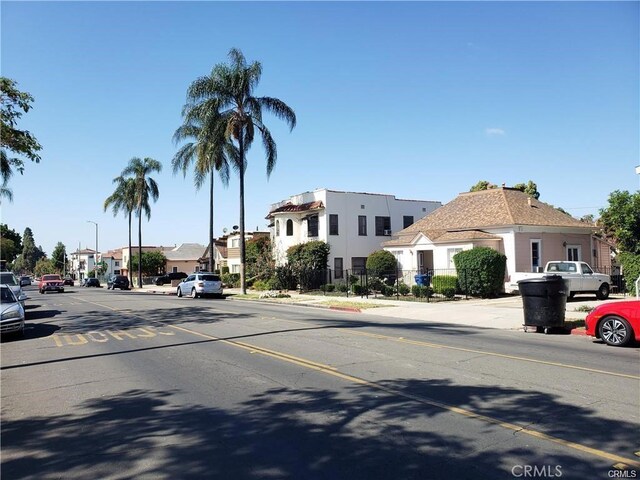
(528, 232)
(354, 224)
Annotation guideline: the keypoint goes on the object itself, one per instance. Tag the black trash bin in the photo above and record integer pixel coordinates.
(544, 300)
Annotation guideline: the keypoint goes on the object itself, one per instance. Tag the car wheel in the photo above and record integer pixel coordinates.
(179, 292)
(603, 292)
(41, 292)
(194, 294)
(615, 331)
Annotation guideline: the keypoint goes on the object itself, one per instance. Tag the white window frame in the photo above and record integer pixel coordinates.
(578, 249)
(535, 268)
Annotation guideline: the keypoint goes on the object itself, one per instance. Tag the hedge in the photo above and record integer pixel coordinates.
(483, 269)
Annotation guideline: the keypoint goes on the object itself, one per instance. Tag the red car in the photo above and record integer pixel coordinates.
(51, 283)
(616, 323)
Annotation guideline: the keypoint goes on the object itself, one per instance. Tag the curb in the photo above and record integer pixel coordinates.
(343, 309)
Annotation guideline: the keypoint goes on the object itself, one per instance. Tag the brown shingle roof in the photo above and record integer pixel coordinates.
(493, 208)
(290, 207)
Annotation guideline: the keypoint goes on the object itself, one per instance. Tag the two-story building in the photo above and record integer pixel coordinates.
(113, 261)
(353, 224)
(82, 261)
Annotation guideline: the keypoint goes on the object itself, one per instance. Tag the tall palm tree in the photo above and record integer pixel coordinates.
(229, 89)
(145, 188)
(208, 150)
(123, 198)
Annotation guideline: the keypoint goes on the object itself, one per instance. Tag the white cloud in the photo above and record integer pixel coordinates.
(494, 131)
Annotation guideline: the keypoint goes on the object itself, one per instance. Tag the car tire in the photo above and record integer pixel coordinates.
(41, 292)
(179, 292)
(615, 331)
(603, 292)
(194, 294)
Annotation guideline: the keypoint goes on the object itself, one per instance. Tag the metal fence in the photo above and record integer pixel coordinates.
(618, 283)
(420, 285)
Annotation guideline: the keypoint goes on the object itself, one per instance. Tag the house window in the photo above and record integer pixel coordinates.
(333, 224)
(358, 265)
(117, 264)
(277, 228)
(235, 242)
(235, 268)
(407, 220)
(174, 269)
(338, 271)
(289, 228)
(450, 254)
(312, 226)
(362, 225)
(197, 268)
(383, 226)
(116, 272)
(573, 253)
(535, 255)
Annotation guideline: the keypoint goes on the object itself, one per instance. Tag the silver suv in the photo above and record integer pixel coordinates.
(200, 284)
(10, 279)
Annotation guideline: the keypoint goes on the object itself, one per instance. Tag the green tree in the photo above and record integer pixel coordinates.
(382, 262)
(30, 253)
(153, 263)
(44, 266)
(529, 188)
(145, 189)
(621, 219)
(260, 262)
(208, 150)
(10, 244)
(13, 104)
(58, 257)
(482, 185)
(308, 262)
(230, 90)
(123, 199)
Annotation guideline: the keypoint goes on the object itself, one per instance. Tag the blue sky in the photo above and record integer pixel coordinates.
(419, 99)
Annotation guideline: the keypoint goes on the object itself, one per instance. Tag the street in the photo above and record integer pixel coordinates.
(115, 385)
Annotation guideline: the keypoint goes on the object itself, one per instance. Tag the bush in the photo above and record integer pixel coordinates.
(261, 285)
(308, 262)
(342, 287)
(358, 289)
(403, 289)
(231, 279)
(481, 271)
(224, 270)
(421, 291)
(284, 278)
(388, 291)
(330, 287)
(443, 284)
(630, 269)
(381, 262)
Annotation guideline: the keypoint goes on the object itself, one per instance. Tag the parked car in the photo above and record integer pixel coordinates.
(8, 278)
(12, 314)
(51, 283)
(92, 282)
(69, 281)
(117, 281)
(25, 280)
(170, 276)
(200, 284)
(616, 323)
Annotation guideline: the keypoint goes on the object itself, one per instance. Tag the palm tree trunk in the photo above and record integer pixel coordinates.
(211, 265)
(243, 284)
(130, 253)
(140, 247)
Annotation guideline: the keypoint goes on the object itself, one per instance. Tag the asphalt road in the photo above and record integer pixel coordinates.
(122, 385)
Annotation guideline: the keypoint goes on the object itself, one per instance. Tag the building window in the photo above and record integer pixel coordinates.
(383, 226)
(358, 265)
(407, 220)
(312, 226)
(235, 268)
(338, 268)
(450, 254)
(117, 264)
(277, 228)
(362, 225)
(235, 242)
(197, 268)
(333, 224)
(174, 269)
(116, 272)
(573, 253)
(289, 228)
(535, 255)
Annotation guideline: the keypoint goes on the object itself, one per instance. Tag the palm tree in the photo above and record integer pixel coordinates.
(145, 188)
(208, 150)
(123, 198)
(229, 90)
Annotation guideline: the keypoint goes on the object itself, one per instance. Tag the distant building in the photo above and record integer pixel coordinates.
(81, 263)
(353, 224)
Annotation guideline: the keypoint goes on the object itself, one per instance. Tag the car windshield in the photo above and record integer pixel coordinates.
(211, 278)
(7, 296)
(8, 278)
(51, 277)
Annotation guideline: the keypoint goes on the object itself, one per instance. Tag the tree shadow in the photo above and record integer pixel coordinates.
(309, 433)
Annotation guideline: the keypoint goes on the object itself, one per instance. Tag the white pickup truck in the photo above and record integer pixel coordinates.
(581, 278)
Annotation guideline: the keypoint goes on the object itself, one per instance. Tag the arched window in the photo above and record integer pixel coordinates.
(289, 228)
(277, 228)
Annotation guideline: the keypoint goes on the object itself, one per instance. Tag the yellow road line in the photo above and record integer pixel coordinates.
(426, 401)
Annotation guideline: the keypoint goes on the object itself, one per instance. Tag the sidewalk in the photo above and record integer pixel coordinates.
(502, 313)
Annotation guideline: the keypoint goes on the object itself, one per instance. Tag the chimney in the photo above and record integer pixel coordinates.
(529, 201)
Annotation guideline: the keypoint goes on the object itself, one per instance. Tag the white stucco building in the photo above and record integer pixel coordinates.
(353, 224)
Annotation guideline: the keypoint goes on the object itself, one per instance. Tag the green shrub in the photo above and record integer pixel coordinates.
(442, 283)
(261, 285)
(231, 279)
(448, 292)
(224, 270)
(388, 291)
(353, 279)
(376, 283)
(309, 263)
(631, 270)
(358, 289)
(381, 263)
(342, 287)
(330, 287)
(421, 291)
(403, 289)
(481, 271)
(284, 279)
